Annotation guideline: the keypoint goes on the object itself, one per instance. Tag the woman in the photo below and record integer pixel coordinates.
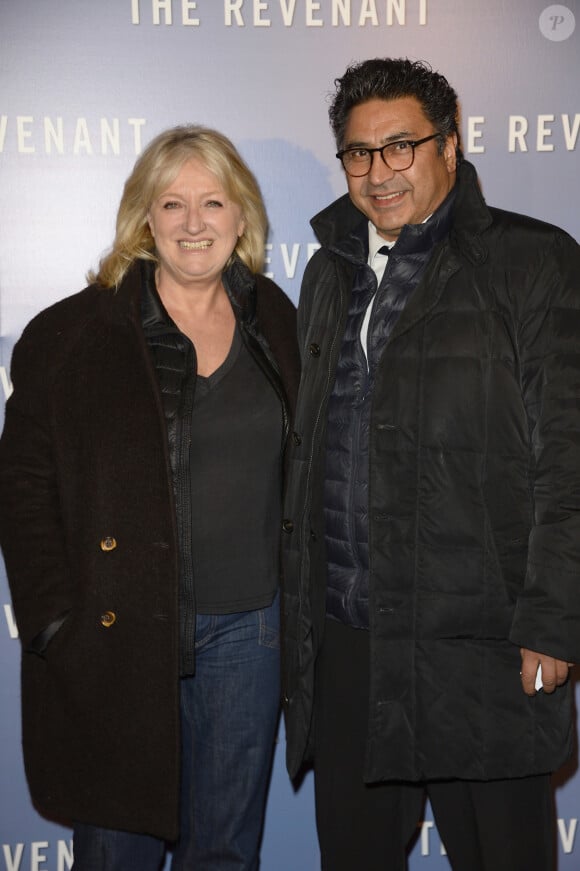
(140, 475)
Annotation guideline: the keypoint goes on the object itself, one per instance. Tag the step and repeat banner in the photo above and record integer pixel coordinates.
(85, 85)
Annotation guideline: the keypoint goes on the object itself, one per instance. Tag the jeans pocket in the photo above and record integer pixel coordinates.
(269, 621)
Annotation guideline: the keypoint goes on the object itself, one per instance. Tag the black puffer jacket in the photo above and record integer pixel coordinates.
(346, 484)
(474, 498)
(175, 362)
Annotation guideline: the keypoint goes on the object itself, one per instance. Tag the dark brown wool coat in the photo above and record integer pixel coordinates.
(88, 531)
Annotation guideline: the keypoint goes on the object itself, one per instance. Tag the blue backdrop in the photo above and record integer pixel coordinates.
(85, 85)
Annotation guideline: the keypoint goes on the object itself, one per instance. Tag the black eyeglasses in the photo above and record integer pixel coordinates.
(398, 156)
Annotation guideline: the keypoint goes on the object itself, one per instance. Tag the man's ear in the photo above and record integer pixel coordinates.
(450, 153)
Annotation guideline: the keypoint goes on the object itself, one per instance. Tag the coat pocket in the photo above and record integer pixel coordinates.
(40, 642)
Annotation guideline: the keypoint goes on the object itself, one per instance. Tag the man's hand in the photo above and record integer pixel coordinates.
(554, 671)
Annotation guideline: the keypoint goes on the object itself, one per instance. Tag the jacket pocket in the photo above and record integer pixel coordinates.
(40, 642)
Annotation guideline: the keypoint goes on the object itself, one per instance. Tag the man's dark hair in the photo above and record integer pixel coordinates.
(391, 79)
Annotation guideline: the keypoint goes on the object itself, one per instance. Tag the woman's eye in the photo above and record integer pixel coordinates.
(214, 204)
(171, 204)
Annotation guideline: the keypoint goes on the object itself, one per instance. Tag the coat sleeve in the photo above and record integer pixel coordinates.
(547, 614)
(31, 527)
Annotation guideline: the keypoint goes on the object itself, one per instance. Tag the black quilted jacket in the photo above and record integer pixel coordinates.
(474, 498)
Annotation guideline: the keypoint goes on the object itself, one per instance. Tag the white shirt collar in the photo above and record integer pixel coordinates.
(375, 243)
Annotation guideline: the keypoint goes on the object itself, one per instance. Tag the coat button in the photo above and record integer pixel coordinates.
(108, 543)
(288, 525)
(108, 618)
(314, 350)
(297, 438)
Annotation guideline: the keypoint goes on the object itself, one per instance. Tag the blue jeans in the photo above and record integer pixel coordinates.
(229, 717)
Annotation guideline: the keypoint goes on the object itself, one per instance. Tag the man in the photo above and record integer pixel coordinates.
(432, 539)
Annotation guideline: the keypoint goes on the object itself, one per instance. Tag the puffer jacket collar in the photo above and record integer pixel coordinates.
(240, 286)
(341, 227)
(238, 282)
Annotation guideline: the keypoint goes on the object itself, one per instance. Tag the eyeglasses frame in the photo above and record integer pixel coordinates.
(373, 151)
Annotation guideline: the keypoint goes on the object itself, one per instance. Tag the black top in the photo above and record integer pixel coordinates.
(235, 467)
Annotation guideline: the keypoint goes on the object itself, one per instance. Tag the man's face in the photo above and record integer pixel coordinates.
(392, 199)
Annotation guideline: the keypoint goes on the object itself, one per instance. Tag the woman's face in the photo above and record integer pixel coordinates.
(195, 227)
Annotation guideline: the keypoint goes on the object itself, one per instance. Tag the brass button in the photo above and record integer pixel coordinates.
(108, 618)
(314, 350)
(288, 525)
(108, 543)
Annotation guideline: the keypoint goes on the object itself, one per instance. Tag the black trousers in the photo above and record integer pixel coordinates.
(503, 825)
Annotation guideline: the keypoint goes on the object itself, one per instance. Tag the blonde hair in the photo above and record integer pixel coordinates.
(154, 171)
